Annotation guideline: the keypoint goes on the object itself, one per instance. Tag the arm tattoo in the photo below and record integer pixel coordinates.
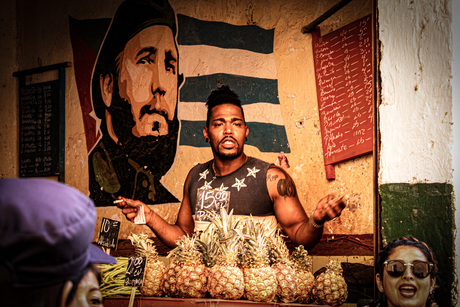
(271, 177)
(286, 187)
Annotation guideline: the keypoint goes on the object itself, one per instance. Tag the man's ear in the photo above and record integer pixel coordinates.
(205, 133)
(106, 84)
(379, 283)
(65, 292)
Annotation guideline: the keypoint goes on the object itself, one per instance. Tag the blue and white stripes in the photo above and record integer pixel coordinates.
(213, 53)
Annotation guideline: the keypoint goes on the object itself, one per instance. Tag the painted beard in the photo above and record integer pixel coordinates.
(155, 153)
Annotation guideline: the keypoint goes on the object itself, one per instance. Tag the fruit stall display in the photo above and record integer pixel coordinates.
(235, 260)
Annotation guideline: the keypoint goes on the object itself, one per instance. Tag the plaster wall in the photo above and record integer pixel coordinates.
(8, 104)
(456, 127)
(416, 102)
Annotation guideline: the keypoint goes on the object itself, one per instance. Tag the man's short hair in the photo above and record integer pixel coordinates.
(131, 17)
(222, 95)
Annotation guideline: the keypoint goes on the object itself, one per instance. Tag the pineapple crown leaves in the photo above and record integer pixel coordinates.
(230, 251)
(225, 224)
(255, 243)
(143, 245)
(334, 266)
(186, 250)
(223, 236)
(301, 259)
(278, 251)
(207, 244)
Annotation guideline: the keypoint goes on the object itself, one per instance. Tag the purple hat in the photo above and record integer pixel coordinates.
(46, 229)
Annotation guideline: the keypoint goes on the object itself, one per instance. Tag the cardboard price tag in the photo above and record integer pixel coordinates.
(135, 271)
(108, 235)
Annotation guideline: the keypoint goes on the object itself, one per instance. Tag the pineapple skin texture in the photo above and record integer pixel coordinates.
(153, 278)
(170, 280)
(305, 282)
(260, 284)
(286, 291)
(192, 281)
(226, 282)
(329, 289)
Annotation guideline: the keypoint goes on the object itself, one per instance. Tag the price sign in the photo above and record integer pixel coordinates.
(108, 235)
(135, 272)
(212, 201)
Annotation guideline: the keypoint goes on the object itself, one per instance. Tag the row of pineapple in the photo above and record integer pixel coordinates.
(238, 258)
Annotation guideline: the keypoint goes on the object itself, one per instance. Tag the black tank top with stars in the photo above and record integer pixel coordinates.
(244, 190)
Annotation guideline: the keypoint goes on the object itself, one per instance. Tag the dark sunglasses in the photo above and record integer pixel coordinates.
(396, 268)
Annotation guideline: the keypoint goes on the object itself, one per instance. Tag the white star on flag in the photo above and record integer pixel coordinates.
(222, 188)
(239, 184)
(252, 172)
(203, 175)
(206, 185)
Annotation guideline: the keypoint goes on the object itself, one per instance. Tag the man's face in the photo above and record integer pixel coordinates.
(227, 131)
(147, 80)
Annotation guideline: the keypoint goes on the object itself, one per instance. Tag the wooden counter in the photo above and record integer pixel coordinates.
(191, 302)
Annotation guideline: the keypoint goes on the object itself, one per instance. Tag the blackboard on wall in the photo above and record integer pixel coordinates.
(344, 83)
(39, 120)
(42, 121)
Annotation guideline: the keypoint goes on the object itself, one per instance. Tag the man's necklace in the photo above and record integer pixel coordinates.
(214, 169)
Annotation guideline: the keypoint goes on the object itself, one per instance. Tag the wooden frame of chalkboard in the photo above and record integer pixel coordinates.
(42, 124)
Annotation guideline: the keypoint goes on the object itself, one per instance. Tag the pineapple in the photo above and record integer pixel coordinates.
(154, 268)
(330, 287)
(226, 280)
(170, 277)
(305, 278)
(286, 290)
(193, 275)
(259, 278)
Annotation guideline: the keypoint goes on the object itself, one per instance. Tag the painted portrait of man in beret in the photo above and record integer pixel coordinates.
(134, 91)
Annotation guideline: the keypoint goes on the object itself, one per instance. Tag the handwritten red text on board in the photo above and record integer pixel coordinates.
(343, 69)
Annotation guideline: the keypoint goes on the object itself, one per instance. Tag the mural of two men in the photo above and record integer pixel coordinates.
(134, 91)
(127, 74)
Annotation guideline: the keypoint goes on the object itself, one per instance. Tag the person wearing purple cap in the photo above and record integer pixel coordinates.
(134, 90)
(46, 253)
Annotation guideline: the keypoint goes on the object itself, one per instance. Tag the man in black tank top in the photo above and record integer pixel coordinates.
(237, 182)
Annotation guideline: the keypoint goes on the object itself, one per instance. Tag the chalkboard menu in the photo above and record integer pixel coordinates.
(39, 119)
(344, 83)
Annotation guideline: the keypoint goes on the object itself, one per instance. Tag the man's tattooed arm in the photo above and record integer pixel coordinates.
(285, 187)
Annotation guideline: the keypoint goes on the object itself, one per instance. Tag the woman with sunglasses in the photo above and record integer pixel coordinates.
(407, 273)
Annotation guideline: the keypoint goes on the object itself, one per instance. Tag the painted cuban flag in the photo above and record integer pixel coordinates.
(213, 53)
